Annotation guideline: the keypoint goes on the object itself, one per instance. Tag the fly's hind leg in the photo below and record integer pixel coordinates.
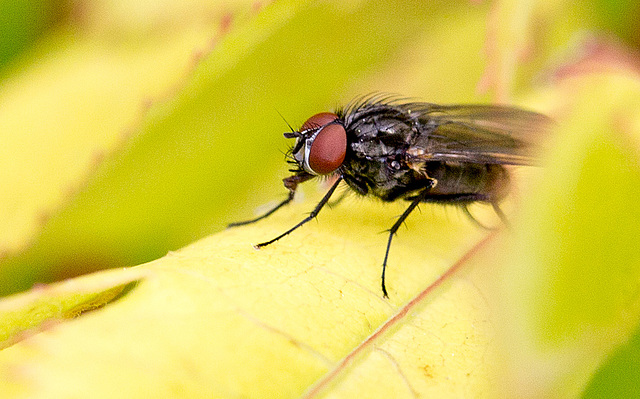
(501, 215)
(465, 209)
(496, 208)
(465, 199)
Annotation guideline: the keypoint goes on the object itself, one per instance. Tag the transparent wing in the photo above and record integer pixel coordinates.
(477, 133)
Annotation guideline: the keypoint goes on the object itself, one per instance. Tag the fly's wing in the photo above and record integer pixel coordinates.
(477, 133)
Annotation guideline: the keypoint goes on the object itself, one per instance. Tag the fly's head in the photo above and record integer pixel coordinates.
(321, 145)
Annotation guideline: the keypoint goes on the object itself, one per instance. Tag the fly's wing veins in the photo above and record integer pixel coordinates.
(477, 133)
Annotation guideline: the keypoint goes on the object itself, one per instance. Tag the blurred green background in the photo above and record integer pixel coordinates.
(132, 128)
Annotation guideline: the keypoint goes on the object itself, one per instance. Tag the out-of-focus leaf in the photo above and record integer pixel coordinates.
(571, 292)
(619, 18)
(619, 377)
(22, 22)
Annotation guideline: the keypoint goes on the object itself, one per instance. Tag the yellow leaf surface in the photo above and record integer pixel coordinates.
(303, 316)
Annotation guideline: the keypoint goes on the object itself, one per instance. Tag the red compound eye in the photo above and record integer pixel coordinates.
(319, 120)
(328, 149)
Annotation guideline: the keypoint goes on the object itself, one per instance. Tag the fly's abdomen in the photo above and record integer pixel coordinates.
(488, 181)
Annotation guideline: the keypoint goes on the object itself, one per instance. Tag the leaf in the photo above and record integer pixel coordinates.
(221, 319)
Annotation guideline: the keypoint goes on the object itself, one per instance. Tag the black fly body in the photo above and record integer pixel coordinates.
(412, 151)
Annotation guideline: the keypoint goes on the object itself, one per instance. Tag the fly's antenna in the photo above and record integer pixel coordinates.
(290, 135)
(285, 121)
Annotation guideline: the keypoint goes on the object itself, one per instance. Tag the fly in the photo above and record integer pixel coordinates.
(412, 151)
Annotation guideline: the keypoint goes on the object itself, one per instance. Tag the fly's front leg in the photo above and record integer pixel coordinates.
(312, 215)
(290, 183)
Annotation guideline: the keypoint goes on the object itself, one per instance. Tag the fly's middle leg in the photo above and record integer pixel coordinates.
(415, 201)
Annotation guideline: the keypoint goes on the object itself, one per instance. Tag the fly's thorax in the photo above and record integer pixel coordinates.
(380, 135)
(385, 174)
(376, 158)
